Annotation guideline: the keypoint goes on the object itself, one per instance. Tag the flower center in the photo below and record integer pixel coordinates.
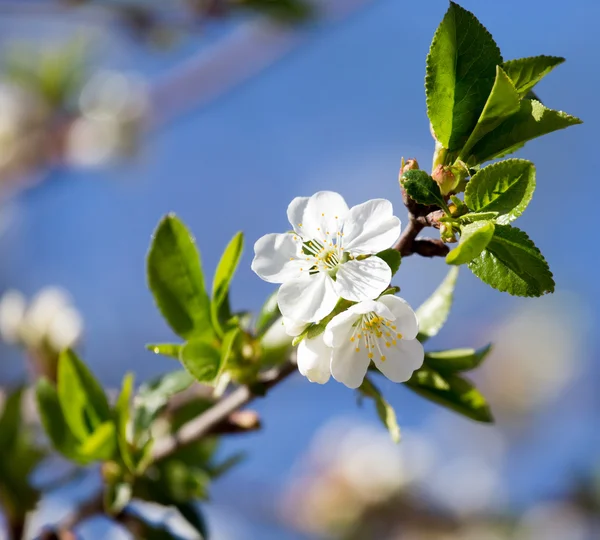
(376, 333)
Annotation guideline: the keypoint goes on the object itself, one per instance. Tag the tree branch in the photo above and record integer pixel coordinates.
(213, 420)
(408, 243)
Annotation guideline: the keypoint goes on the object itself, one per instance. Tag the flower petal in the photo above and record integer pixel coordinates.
(362, 280)
(276, 258)
(293, 328)
(295, 213)
(324, 216)
(309, 298)
(371, 227)
(349, 366)
(339, 329)
(314, 358)
(406, 321)
(401, 360)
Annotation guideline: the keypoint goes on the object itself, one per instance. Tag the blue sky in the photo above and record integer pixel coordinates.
(338, 112)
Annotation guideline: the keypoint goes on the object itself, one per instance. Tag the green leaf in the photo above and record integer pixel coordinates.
(531, 121)
(228, 349)
(525, 73)
(224, 274)
(502, 102)
(433, 313)
(385, 411)
(201, 359)
(456, 359)
(10, 421)
(101, 444)
(176, 280)
(81, 396)
(268, 314)
(117, 496)
(392, 258)
(451, 391)
(53, 420)
(512, 263)
(422, 188)
(165, 349)
(122, 413)
(505, 187)
(473, 240)
(461, 68)
(477, 216)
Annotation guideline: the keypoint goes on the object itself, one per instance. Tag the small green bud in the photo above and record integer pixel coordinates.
(409, 165)
(445, 178)
(447, 234)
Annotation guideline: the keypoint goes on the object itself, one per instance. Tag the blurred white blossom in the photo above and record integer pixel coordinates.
(50, 320)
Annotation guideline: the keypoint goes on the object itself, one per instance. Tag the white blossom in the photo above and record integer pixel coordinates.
(328, 255)
(383, 331)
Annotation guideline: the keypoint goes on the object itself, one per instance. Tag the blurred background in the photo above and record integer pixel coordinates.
(115, 112)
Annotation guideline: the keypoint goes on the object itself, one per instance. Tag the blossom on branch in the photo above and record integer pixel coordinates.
(383, 331)
(330, 254)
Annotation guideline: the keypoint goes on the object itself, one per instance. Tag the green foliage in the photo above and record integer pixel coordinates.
(176, 280)
(223, 276)
(502, 102)
(422, 188)
(76, 415)
(392, 258)
(461, 69)
(20, 456)
(171, 350)
(473, 240)
(202, 360)
(505, 187)
(153, 396)
(525, 73)
(453, 360)
(433, 313)
(512, 263)
(451, 391)
(532, 120)
(267, 315)
(385, 411)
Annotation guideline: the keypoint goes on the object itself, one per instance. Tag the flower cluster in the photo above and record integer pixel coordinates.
(329, 260)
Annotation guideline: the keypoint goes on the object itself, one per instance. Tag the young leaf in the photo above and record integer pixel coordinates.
(392, 257)
(502, 102)
(477, 216)
(512, 263)
(223, 275)
(268, 314)
(456, 359)
(117, 496)
(10, 421)
(53, 420)
(81, 396)
(122, 414)
(531, 121)
(100, 444)
(473, 240)
(228, 349)
(525, 73)
(432, 314)
(176, 280)
(505, 187)
(385, 411)
(201, 359)
(422, 188)
(154, 395)
(452, 391)
(461, 67)
(165, 349)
